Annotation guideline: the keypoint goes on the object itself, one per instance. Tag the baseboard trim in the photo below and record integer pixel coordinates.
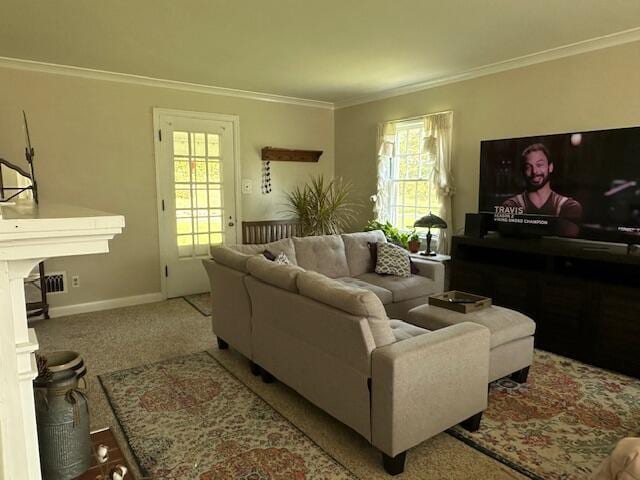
(65, 310)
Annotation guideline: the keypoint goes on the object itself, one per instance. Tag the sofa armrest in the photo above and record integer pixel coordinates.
(230, 306)
(432, 270)
(423, 385)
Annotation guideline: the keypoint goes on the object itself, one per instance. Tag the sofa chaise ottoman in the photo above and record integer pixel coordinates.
(511, 345)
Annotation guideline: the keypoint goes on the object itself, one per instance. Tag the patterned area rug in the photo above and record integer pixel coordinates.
(189, 418)
(201, 302)
(562, 423)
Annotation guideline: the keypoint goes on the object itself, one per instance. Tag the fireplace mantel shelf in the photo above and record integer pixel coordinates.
(28, 235)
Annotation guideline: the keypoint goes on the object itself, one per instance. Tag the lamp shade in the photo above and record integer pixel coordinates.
(430, 221)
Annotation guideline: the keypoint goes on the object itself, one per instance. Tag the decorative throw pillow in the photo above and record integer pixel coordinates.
(373, 249)
(393, 260)
(268, 255)
(282, 259)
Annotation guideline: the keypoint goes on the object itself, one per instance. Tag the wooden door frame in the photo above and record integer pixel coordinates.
(163, 242)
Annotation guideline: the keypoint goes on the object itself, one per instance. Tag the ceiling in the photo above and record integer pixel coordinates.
(328, 50)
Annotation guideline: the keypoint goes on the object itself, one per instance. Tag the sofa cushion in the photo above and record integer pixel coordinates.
(403, 330)
(402, 288)
(281, 246)
(268, 255)
(373, 248)
(282, 259)
(383, 294)
(279, 275)
(356, 301)
(323, 254)
(229, 258)
(357, 250)
(393, 260)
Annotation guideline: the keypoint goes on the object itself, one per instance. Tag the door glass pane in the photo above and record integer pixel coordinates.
(183, 198)
(201, 198)
(198, 143)
(185, 226)
(185, 240)
(198, 192)
(214, 172)
(181, 170)
(213, 145)
(199, 172)
(180, 143)
(215, 196)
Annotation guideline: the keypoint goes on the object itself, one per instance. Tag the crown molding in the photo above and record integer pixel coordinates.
(93, 74)
(584, 46)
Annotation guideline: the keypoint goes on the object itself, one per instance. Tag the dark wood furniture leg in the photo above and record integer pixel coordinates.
(222, 345)
(520, 376)
(255, 368)
(472, 424)
(394, 465)
(266, 376)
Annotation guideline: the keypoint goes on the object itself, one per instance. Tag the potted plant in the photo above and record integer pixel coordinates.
(392, 234)
(322, 207)
(414, 242)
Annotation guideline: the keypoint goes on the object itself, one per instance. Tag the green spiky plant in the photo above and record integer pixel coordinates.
(393, 235)
(323, 207)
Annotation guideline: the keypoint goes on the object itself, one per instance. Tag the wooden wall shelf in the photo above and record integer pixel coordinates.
(285, 155)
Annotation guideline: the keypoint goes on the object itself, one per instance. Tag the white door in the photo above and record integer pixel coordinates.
(196, 161)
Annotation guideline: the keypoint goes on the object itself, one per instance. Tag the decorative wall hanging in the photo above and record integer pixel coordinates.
(266, 177)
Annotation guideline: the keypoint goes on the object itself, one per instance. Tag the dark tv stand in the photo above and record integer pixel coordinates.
(586, 302)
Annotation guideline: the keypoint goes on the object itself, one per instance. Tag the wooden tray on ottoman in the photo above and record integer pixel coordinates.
(448, 300)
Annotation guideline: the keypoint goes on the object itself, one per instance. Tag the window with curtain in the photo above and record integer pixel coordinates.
(414, 171)
(412, 194)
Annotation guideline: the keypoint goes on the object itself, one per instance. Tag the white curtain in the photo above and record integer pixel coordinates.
(386, 143)
(437, 143)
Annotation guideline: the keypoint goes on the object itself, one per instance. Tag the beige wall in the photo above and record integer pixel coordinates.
(94, 148)
(94, 143)
(597, 90)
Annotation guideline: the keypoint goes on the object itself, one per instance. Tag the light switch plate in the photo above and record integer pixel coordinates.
(246, 186)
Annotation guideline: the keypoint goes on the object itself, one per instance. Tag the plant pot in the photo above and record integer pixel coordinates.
(414, 246)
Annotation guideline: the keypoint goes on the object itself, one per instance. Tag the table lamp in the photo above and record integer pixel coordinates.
(430, 221)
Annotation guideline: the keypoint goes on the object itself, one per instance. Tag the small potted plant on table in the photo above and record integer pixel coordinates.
(414, 242)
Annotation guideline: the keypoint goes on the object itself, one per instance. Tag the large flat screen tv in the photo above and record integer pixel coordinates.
(577, 185)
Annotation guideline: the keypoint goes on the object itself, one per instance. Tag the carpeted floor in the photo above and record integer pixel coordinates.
(129, 337)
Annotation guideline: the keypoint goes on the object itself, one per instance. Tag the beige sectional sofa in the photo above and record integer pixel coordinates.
(320, 327)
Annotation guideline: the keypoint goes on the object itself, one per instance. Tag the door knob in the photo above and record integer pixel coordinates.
(231, 224)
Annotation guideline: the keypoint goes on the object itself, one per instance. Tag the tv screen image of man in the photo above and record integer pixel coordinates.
(539, 198)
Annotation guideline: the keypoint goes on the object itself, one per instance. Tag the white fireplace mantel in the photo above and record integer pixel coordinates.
(28, 235)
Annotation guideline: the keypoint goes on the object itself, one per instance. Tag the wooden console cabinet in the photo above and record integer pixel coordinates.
(585, 301)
